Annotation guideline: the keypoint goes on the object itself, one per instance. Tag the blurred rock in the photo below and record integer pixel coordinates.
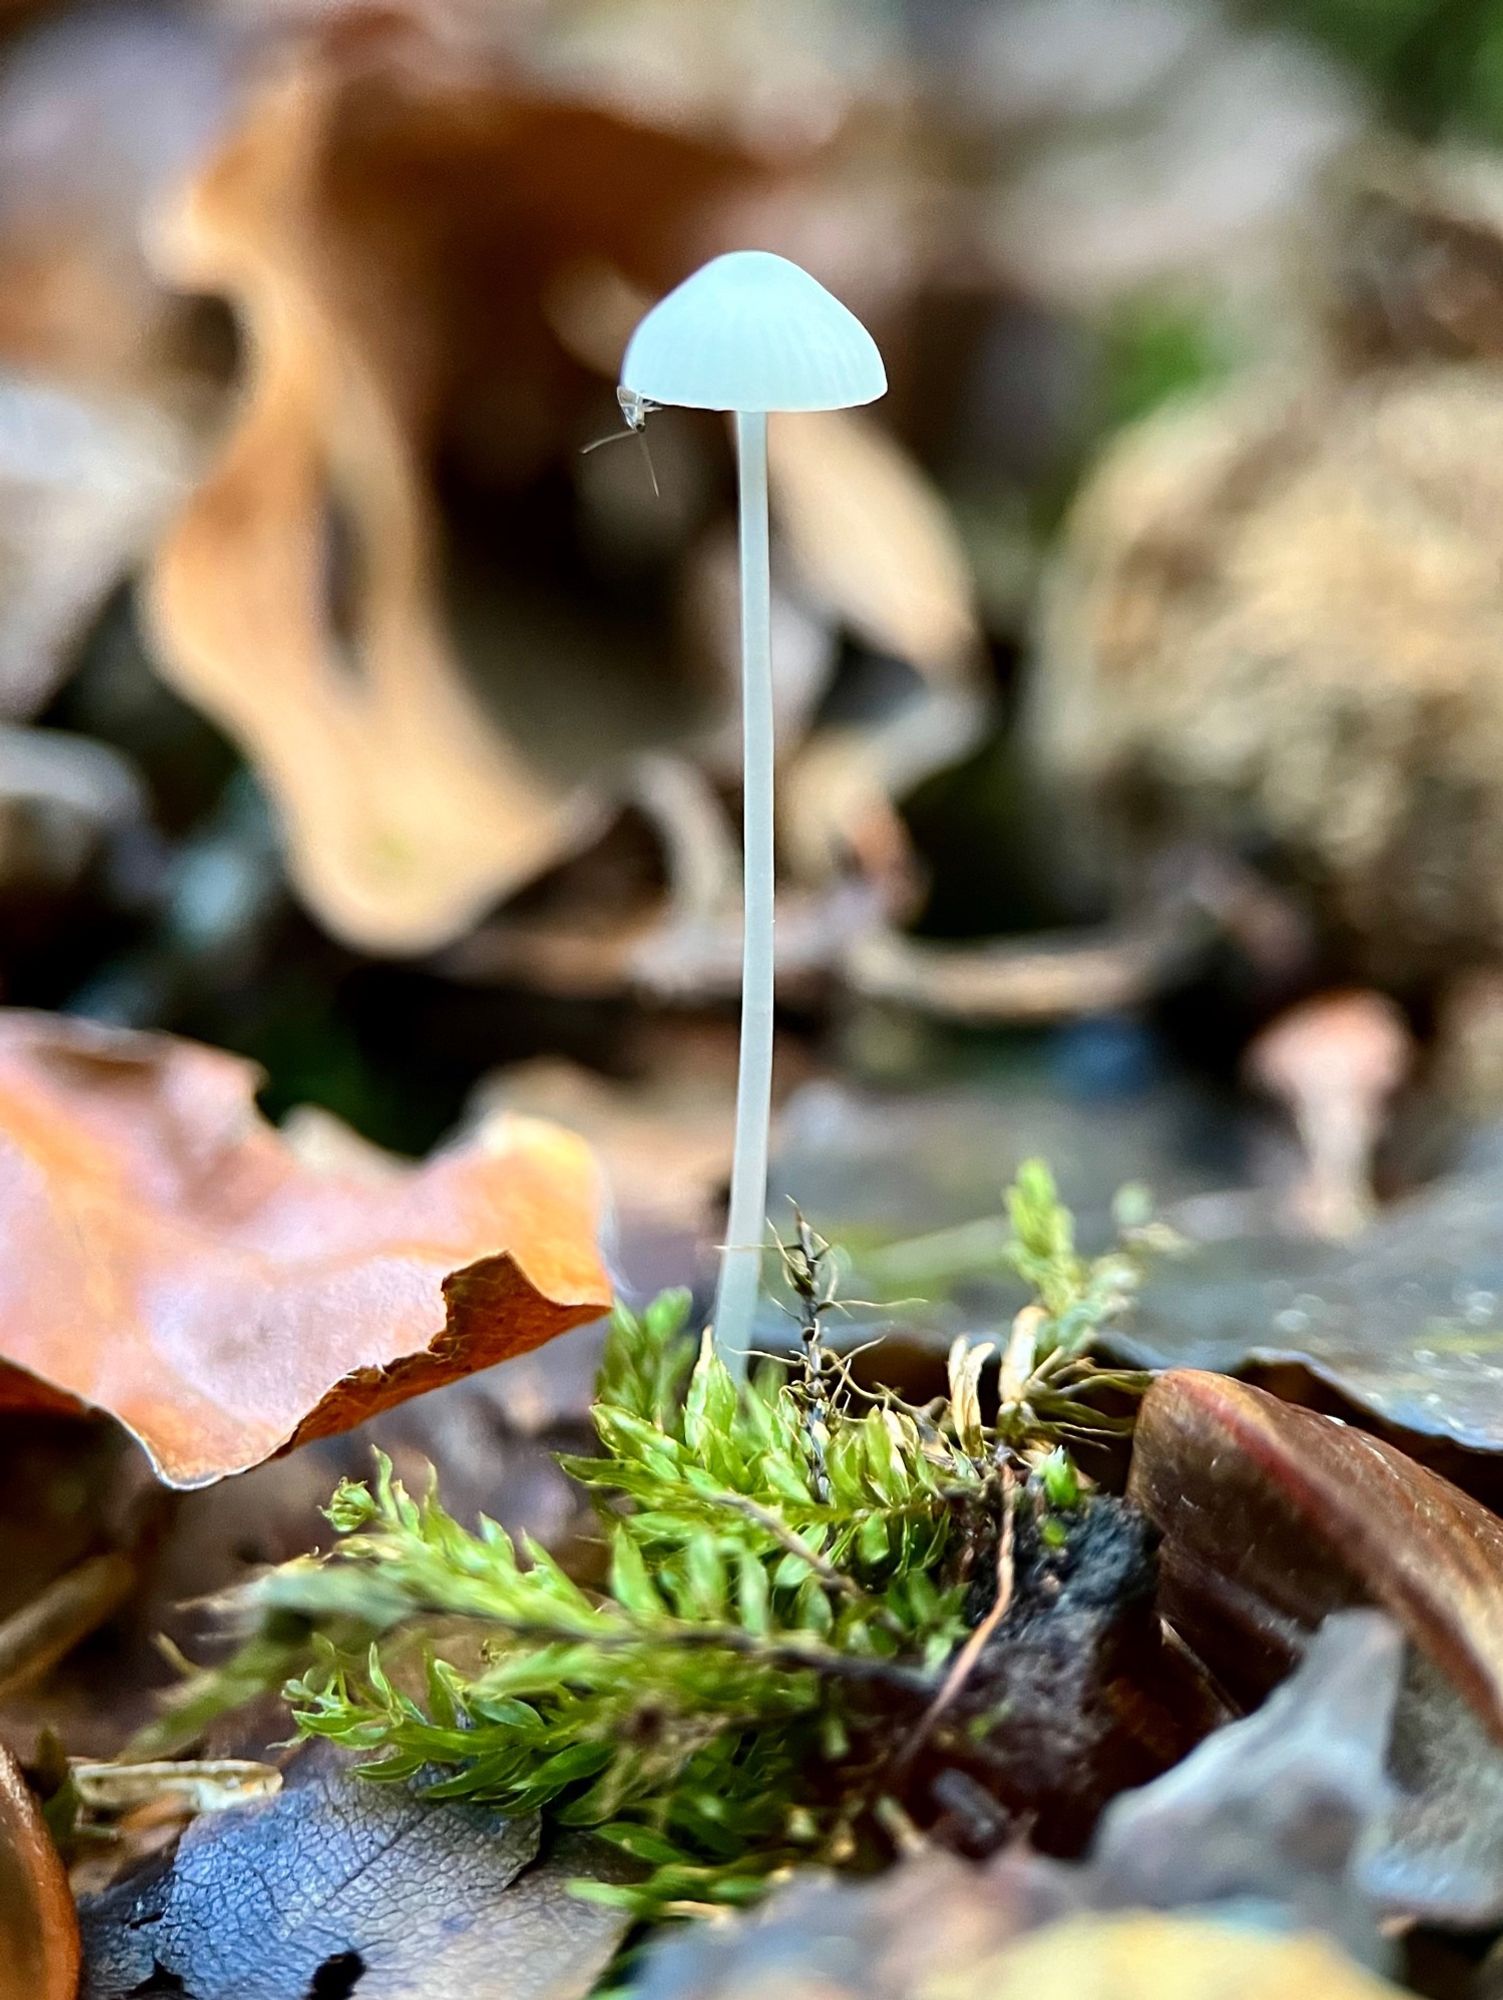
(1274, 628)
(1405, 255)
(86, 482)
(1266, 1820)
(106, 377)
(1163, 138)
(62, 800)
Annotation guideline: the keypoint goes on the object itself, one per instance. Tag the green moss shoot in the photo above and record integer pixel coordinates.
(791, 1567)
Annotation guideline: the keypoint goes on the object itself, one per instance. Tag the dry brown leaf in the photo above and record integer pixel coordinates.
(39, 1950)
(86, 481)
(677, 1115)
(384, 223)
(872, 541)
(332, 1883)
(872, 547)
(171, 1260)
(101, 113)
(63, 798)
(435, 259)
(777, 73)
(1045, 977)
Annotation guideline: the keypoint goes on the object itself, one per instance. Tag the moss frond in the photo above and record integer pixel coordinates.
(792, 1566)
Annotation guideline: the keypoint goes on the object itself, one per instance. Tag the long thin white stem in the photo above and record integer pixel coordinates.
(746, 1224)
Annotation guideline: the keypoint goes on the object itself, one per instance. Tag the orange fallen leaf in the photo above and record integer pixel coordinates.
(170, 1259)
(405, 812)
(39, 1949)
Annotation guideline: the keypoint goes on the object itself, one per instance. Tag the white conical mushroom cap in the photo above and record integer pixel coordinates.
(750, 331)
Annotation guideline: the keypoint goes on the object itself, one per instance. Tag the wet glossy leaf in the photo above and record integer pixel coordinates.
(1274, 1516)
(103, 389)
(1407, 1324)
(38, 1930)
(172, 1261)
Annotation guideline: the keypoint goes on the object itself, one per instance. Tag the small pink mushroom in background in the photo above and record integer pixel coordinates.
(1335, 1063)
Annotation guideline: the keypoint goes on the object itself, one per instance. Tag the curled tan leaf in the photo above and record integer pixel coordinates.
(385, 222)
(872, 540)
(871, 544)
(406, 813)
(171, 1259)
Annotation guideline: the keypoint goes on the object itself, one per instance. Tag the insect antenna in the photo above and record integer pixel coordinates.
(635, 411)
(611, 437)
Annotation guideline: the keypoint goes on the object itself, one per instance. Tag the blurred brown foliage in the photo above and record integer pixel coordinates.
(352, 283)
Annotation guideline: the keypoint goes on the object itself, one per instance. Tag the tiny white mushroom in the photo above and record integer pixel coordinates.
(751, 333)
(1336, 1061)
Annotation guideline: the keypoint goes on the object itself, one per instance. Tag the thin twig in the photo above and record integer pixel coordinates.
(907, 1839)
(964, 1663)
(789, 1539)
(71, 1607)
(803, 1266)
(791, 1650)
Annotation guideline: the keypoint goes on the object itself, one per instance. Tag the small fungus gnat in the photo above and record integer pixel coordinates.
(635, 410)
